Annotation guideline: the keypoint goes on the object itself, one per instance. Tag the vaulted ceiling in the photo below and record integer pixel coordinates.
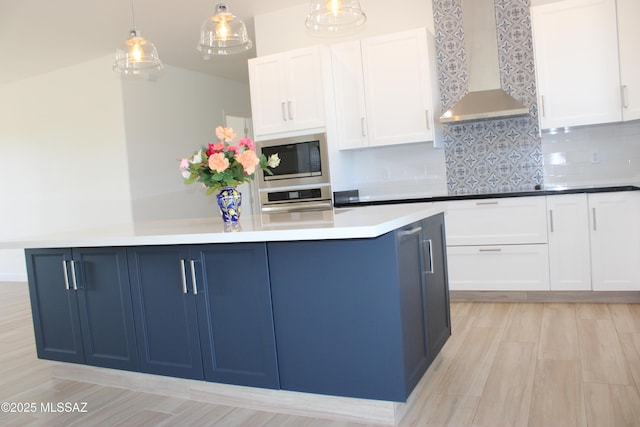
(37, 36)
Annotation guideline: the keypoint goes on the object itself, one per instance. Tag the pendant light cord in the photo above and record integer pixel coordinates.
(133, 15)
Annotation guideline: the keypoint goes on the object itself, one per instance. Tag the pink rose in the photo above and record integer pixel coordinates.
(249, 161)
(218, 162)
(233, 149)
(215, 148)
(246, 142)
(184, 164)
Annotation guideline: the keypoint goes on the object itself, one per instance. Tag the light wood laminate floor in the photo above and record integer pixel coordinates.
(506, 364)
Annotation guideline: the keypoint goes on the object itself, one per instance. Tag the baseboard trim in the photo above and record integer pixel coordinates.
(627, 297)
(281, 401)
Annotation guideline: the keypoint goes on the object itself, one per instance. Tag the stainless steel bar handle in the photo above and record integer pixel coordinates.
(431, 269)
(427, 118)
(405, 233)
(66, 275)
(73, 275)
(300, 207)
(486, 203)
(625, 96)
(595, 225)
(284, 113)
(363, 126)
(542, 105)
(192, 264)
(551, 220)
(490, 249)
(290, 109)
(184, 276)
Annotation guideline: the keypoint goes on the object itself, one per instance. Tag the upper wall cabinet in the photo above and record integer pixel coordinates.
(577, 62)
(582, 78)
(383, 90)
(287, 92)
(628, 38)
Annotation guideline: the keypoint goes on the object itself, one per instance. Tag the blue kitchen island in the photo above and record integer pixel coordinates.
(349, 304)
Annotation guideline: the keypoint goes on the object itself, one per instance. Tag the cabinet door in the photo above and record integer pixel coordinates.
(436, 283)
(165, 311)
(628, 37)
(413, 298)
(615, 241)
(54, 305)
(268, 95)
(305, 102)
(106, 312)
(397, 86)
(569, 247)
(235, 316)
(576, 62)
(348, 87)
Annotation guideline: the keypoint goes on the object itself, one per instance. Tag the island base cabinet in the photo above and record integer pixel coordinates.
(350, 315)
(81, 306)
(204, 312)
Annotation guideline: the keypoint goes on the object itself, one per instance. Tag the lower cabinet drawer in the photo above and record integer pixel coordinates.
(498, 268)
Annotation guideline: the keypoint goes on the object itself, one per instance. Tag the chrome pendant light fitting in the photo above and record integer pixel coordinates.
(327, 17)
(223, 34)
(137, 58)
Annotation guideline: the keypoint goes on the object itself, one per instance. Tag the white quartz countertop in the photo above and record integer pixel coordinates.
(347, 223)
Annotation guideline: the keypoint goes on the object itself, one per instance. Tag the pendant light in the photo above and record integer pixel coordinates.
(137, 58)
(332, 16)
(223, 34)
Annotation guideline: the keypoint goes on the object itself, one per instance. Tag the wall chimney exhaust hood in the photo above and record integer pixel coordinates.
(485, 100)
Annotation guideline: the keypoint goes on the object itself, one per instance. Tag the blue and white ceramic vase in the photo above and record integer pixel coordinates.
(229, 201)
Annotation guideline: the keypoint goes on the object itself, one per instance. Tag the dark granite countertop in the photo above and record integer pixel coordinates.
(351, 202)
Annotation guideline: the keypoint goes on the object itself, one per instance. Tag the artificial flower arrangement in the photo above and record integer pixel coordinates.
(225, 165)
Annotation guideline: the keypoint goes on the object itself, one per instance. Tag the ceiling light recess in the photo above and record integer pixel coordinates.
(137, 58)
(223, 34)
(333, 16)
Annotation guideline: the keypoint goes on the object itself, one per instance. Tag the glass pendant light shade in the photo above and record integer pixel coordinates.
(137, 58)
(223, 34)
(332, 16)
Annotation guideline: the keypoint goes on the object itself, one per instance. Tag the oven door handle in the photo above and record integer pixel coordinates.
(298, 207)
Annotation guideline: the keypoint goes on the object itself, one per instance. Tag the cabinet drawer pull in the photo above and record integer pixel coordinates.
(184, 276)
(490, 249)
(430, 270)
(486, 203)
(595, 225)
(290, 109)
(192, 264)
(67, 286)
(406, 233)
(625, 96)
(284, 113)
(73, 275)
(551, 220)
(542, 105)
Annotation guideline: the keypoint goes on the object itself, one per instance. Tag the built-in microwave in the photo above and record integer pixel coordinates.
(301, 181)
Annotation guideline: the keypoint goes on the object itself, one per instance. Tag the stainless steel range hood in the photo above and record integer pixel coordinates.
(485, 99)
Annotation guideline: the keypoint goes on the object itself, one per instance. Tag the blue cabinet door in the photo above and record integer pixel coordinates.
(106, 314)
(436, 284)
(235, 316)
(164, 309)
(54, 305)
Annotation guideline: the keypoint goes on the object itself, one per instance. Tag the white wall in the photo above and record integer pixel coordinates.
(166, 121)
(63, 159)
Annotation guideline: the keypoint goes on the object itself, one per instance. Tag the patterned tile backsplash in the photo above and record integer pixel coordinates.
(491, 155)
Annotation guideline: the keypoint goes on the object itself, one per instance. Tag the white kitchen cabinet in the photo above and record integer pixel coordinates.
(569, 246)
(628, 38)
(615, 240)
(497, 244)
(287, 93)
(385, 90)
(577, 62)
(498, 268)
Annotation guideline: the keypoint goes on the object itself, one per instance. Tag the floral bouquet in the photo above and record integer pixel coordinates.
(225, 165)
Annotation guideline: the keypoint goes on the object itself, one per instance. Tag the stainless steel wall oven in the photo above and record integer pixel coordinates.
(301, 181)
